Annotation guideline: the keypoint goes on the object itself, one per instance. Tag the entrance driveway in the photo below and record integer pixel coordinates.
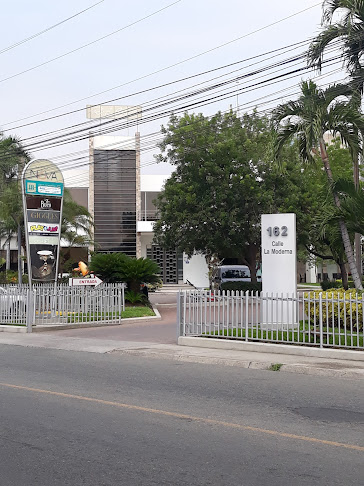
(152, 331)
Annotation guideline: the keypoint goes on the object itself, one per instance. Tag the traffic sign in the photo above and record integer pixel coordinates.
(85, 281)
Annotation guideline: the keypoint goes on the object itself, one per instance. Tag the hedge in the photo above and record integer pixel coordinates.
(242, 286)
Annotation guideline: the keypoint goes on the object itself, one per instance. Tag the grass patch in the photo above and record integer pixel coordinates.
(276, 367)
(303, 334)
(129, 312)
(12, 324)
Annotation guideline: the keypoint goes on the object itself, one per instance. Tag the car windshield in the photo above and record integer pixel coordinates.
(236, 273)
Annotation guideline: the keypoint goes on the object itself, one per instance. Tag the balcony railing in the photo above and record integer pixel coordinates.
(147, 215)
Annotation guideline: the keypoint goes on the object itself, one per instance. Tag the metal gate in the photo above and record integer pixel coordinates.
(167, 261)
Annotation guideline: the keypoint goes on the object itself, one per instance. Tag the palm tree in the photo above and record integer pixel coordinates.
(349, 31)
(12, 159)
(76, 221)
(351, 208)
(315, 113)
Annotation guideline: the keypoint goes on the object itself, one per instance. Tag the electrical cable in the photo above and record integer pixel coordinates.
(71, 138)
(172, 65)
(89, 43)
(143, 105)
(19, 43)
(151, 89)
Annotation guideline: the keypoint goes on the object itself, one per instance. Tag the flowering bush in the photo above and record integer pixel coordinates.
(336, 308)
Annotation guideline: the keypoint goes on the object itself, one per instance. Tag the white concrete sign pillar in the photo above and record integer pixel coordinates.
(279, 269)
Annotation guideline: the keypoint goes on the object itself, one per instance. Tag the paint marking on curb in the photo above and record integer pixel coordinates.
(188, 417)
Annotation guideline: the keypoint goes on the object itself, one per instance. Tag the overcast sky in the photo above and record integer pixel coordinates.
(181, 31)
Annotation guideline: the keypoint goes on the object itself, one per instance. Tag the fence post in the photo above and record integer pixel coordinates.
(179, 314)
(320, 323)
(30, 311)
(247, 316)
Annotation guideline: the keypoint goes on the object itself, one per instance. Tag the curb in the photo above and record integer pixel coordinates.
(254, 365)
(82, 325)
(306, 351)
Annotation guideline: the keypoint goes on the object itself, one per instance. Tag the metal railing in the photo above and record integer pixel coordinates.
(147, 215)
(305, 318)
(48, 304)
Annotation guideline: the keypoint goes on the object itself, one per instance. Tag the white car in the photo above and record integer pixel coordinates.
(12, 304)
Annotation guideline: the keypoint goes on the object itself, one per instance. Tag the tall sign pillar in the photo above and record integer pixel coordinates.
(43, 188)
(279, 269)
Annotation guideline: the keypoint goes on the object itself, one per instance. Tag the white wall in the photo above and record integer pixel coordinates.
(195, 270)
(145, 240)
(152, 182)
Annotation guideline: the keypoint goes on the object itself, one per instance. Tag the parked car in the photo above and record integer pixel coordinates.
(12, 303)
(233, 273)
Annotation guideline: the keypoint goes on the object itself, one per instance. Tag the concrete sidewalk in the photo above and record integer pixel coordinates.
(244, 359)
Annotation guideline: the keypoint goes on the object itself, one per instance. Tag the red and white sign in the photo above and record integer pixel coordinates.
(85, 281)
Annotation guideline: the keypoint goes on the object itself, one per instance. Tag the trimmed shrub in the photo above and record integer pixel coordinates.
(331, 313)
(242, 286)
(331, 284)
(134, 297)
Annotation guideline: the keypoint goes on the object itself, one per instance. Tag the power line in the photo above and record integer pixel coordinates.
(151, 144)
(168, 67)
(19, 43)
(265, 68)
(70, 137)
(89, 43)
(275, 51)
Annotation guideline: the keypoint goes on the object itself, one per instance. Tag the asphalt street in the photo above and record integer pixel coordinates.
(77, 418)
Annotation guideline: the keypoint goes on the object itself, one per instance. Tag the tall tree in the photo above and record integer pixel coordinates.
(12, 159)
(343, 24)
(348, 31)
(223, 182)
(315, 113)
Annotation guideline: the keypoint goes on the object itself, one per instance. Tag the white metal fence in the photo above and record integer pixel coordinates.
(311, 318)
(56, 305)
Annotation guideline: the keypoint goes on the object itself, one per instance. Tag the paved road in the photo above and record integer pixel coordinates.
(152, 331)
(73, 418)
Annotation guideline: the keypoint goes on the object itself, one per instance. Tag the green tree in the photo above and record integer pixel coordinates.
(320, 236)
(223, 181)
(12, 159)
(315, 113)
(349, 31)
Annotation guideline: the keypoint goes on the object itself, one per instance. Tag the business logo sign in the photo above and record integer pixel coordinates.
(43, 228)
(43, 188)
(43, 171)
(44, 262)
(37, 216)
(44, 203)
(46, 188)
(35, 239)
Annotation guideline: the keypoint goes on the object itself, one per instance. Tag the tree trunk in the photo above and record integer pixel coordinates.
(344, 275)
(250, 259)
(344, 231)
(213, 262)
